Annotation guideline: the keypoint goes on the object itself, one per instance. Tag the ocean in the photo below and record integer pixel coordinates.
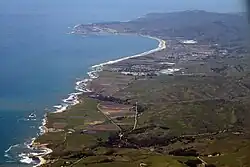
(40, 62)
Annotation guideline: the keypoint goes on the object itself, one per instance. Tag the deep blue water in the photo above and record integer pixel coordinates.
(39, 62)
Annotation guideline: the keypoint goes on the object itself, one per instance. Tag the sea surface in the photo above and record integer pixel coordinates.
(40, 62)
(39, 65)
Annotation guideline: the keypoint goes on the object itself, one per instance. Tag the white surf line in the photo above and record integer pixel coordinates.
(161, 46)
(41, 159)
(92, 75)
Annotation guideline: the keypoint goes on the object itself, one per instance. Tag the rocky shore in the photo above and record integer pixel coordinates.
(75, 98)
(182, 104)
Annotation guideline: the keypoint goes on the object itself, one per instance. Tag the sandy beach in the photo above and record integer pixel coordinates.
(81, 88)
(161, 46)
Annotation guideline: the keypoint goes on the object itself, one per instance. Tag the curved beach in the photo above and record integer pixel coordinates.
(161, 46)
(81, 88)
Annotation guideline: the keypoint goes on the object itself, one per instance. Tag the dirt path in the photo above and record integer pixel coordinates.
(110, 119)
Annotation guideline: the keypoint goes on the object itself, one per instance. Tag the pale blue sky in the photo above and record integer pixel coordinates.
(173, 5)
(99, 10)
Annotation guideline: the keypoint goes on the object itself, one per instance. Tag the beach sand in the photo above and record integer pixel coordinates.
(81, 88)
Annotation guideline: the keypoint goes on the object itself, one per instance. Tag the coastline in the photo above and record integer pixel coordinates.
(139, 111)
(161, 46)
(80, 89)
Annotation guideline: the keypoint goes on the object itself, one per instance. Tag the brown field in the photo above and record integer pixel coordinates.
(59, 125)
(107, 127)
(116, 110)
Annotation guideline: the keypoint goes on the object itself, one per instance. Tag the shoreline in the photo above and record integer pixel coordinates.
(80, 88)
(161, 46)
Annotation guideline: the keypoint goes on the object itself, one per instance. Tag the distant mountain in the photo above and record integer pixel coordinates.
(200, 25)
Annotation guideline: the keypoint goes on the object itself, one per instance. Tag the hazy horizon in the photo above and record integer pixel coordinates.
(40, 62)
(115, 10)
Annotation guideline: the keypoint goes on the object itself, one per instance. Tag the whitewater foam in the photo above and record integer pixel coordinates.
(81, 87)
(16, 145)
(161, 46)
(24, 158)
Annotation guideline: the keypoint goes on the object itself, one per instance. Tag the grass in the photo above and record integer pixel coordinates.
(50, 138)
(190, 104)
(213, 98)
(110, 82)
(122, 157)
(183, 88)
(78, 116)
(197, 117)
(234, 151)
(195, 112)
(131, 158)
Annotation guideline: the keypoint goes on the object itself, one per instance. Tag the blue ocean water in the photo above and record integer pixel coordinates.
(39, 62)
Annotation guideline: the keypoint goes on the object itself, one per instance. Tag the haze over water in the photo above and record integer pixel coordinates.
(39, 62)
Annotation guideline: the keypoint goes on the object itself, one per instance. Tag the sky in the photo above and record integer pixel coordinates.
(173, 5)
(150, 5)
